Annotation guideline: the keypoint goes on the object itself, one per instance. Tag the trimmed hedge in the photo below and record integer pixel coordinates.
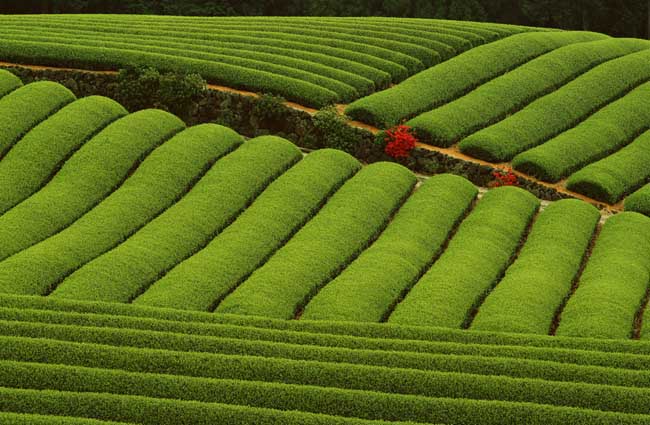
(27, 106)
(91, 174)
(8, 82)
(164, 177)
(455, 358)
(343, 228)
(369, 287)
(494, 100)
(534, 287)
(601, 134)
(32, 161)
(639, 201)
(457, 76)
(417, 337)
(30, 419)
(559, 111)
(199, 282)
(473, 262)
(611, 178)
(400, 383)
(614, 281)
(222, 194)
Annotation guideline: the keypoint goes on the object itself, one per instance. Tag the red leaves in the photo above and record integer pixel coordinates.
(504, 178)
(400, 141)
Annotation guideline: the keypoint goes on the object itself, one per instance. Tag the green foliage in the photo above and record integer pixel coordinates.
(8, 82)
(27, 106)
(474, 261)
(614, 281)
(456, 77)
(601, 134)
(30, 419)
(231, 184)
(494, 100)
(536, 284)
(43, 150)
(617, 175)
(85, 179)
(162, 178)
(343, 228)
(335, 128)
(370, 285)
(560, 110)
(280, 211)
(639, 201)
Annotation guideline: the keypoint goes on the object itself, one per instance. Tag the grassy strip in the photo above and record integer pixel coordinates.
(90, 175)
(27, 106)
(306, 373)
(603, 133)
(369, 286)
(494, 100)
(347, 86)
(613, 283)
(474, 260)
(162, 178)
(221, 73)
(8, 82)
(235, 339)
(413, 56)
(344, 227)
(281, 210)
(378, 333)
(502, 361)
(152, 411)
(306, 398)
(457, 76)
(560, 110)
(30, 419)
(611, 178)
(227, 189)
(535, 285)
(639, 201)
(265, 56)
(33, 160)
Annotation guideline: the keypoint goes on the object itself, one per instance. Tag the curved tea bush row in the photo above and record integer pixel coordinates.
(162, 178)
(612, 177)
(614, 281)
(283, 208)
(123, 273)
(368, 287)
(344, 334)
(387, 384)
(494, 100)
(91, 174)
(232, 75)
(35, 158)
(472, 263)
(27, 106)
(487, 360)
(560, 110)
(457, 76)
(343, 228)
(31, 419)
(351, 88)
(639, 201)
(8, 82)
(534, 287)
(603, 133)
(153, 411)
(286, 397)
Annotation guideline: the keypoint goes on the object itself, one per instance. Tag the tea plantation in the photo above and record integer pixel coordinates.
(153, 272)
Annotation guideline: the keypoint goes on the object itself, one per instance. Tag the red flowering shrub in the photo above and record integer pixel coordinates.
(504, 178)
(400, 141)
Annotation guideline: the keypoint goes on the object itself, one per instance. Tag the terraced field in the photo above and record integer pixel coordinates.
(153, 273)
(316, 61)
(561, 107)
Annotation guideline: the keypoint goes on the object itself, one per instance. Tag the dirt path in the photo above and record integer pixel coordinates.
(453, 151)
